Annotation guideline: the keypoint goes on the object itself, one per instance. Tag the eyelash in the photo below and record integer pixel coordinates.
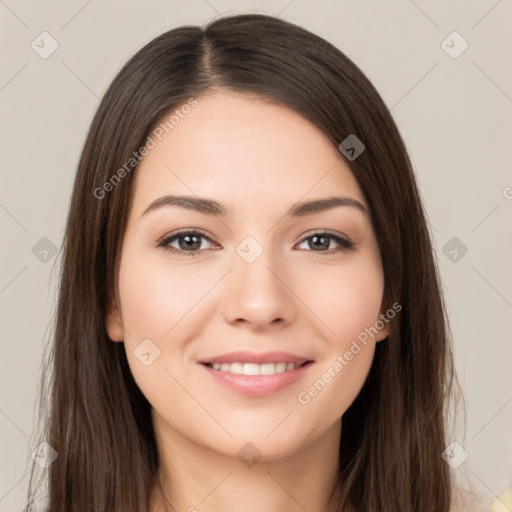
(344, 244)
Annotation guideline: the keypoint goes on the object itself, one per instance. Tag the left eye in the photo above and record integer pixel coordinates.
(319, 240)
(189, 242)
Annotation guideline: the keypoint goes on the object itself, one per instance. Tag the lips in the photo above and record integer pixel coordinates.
(253, 379)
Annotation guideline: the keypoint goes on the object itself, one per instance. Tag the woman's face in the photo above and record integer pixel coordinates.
(254, 279)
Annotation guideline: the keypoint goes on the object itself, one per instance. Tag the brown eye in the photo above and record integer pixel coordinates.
(320, 241)
(189, 242)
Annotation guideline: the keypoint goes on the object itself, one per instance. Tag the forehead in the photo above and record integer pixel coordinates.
(242, 151)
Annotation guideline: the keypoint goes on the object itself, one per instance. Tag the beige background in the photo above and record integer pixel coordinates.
(455, 115)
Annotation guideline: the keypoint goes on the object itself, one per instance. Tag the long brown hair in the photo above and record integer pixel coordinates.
(96, 418)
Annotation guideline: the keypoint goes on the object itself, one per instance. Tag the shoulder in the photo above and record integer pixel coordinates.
(469, 501)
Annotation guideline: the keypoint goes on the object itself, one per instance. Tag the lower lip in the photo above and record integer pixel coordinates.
(258, 385)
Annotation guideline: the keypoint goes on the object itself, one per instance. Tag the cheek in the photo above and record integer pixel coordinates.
(156, 296)
(165, 303)
(346, 298)
(349, 304)
(359, 302)
(154, 303)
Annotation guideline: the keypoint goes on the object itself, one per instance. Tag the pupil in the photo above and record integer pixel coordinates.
(316, 238)
(189, 242)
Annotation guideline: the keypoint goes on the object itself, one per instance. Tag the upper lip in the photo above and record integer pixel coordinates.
(243, 356)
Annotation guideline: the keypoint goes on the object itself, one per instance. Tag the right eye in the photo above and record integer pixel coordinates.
(189, 242)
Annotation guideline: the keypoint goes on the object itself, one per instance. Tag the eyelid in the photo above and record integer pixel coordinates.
(185, 231)
(334, 234)
(166, 239)
(344, 242)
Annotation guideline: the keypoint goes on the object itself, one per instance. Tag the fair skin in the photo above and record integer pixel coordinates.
(257, 160)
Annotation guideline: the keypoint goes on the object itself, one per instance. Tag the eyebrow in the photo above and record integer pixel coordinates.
(211, 207)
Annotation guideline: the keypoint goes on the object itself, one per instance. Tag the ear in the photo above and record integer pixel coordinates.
(384, 331)
(114, 322)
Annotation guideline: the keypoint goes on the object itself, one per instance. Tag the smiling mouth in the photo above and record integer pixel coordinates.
(256, 369)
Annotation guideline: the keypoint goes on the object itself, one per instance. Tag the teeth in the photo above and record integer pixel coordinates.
(254, 368)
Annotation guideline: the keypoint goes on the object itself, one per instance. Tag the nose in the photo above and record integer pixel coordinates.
(259, 294)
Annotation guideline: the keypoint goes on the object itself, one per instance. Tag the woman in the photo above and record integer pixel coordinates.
(250, 314)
